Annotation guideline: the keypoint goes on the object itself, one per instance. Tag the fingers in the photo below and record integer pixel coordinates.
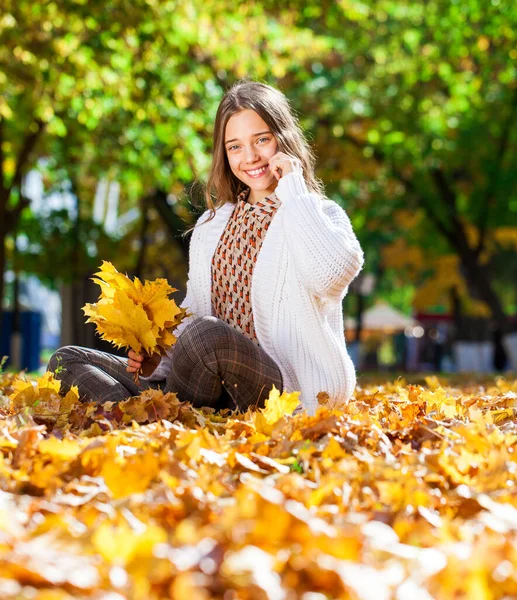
(288, 164)
(277, 172)
(134, 362)
(274, 168)
(133, 366)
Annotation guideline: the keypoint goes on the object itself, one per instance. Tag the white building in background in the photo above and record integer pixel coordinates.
(105, 206)
(43, 205)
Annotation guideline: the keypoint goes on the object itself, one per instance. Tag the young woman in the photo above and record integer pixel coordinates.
(270, 262)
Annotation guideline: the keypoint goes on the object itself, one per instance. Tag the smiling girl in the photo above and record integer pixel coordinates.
(270, 262)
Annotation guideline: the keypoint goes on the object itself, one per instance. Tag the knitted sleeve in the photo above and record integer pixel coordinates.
(324, 247)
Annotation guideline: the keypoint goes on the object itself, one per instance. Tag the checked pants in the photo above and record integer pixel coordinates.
(212, 364)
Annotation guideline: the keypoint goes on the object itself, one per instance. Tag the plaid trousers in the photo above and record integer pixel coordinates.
(212, 364)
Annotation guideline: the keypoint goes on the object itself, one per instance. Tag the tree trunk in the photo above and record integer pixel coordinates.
(173, 222)
(478, 280)
(359, 317)
(144, 226)
(74, 330)
(457, 316)
(9, 217)
(77, 294)
(3, 235)
(474, 272)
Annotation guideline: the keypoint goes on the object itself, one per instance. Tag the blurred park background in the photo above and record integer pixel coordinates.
(106, 118)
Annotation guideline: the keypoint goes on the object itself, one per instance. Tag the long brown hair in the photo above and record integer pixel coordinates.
(274, 108)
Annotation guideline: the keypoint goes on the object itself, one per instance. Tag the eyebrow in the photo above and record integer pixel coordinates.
(254, 135)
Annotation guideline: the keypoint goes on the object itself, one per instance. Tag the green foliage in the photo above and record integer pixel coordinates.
(409, 106)
(133, 92)
(425, 94)
(56, 239)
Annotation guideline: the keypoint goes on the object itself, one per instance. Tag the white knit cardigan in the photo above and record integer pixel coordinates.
(307, 260)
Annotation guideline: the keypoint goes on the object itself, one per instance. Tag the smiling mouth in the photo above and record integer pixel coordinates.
(255, 173)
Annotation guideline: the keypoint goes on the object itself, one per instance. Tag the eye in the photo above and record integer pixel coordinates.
(232, 147)
(264, 138)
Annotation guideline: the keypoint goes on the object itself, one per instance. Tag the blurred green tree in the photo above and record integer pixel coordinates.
(427, 92)
(61, 64)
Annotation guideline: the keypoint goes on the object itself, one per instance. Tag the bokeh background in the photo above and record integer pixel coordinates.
(106, 118)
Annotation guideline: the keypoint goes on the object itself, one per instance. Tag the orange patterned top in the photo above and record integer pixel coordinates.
(234, 259)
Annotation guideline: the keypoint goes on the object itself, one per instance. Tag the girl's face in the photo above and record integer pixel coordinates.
(249, 145)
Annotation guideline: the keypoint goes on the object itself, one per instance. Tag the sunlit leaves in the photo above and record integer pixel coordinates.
(278, 405)
(132, 314)
(150, 496)
(42, 398)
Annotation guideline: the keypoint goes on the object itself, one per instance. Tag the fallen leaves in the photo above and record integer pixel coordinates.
(277, 407)
(42, 398)
(407, 491)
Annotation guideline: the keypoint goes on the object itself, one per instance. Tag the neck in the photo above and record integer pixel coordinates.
(256, 196)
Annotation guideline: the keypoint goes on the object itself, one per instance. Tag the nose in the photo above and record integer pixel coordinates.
(250, 155)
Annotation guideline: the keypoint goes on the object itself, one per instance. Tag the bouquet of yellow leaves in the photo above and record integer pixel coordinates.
(135, 315)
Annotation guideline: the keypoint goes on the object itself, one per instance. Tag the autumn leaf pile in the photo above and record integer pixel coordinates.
(132, 314)
(408, 492)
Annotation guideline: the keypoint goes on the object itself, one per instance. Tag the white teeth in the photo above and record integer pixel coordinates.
(257, 172)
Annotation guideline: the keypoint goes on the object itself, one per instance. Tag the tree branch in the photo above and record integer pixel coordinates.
(450, 200)
(144, 226)
(408, 183)
(446, 192)
(12, 215)
(174, 223)
(447, 234)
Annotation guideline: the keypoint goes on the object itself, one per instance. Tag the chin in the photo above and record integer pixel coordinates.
(258, 185)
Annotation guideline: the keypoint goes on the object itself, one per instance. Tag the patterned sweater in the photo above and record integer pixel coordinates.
(308, 259)
(234, 259)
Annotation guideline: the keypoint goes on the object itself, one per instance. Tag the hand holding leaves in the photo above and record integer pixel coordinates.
(136, 315)
(143, 364)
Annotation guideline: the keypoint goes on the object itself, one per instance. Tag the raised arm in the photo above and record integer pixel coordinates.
(324, 247)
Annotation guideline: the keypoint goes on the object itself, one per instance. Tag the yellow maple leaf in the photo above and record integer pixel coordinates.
(127, 474)
(433, 383)
(61, 449)
(119, 544)
(133, 314)
(23, 387)
(42, 398)
(442, 402)
(276, 406)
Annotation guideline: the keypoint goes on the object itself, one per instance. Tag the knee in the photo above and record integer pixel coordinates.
(60, 357)
(200, 327)
(204, 335)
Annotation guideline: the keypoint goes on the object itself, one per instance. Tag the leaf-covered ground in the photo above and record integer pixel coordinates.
(409, 492)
